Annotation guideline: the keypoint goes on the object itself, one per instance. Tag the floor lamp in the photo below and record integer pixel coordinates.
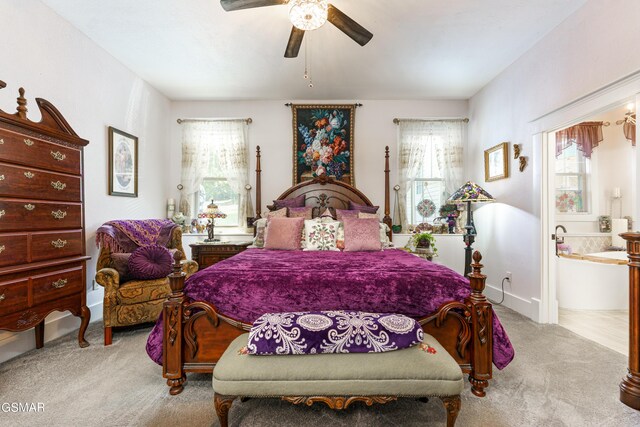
(469, 193)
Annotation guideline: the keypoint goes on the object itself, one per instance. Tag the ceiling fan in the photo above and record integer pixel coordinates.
(306, 15)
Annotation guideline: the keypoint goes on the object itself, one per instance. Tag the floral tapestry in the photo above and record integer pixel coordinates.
(323, 142)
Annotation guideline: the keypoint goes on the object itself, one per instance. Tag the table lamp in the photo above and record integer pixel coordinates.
(469, 193)
(211, 213)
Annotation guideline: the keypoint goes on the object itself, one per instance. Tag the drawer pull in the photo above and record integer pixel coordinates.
(58, 156)
(59, 283)
(28, 142)
(1, 141)
(59, 214)
(1, 177)
(2, 297)
(29, 207)
(2, 248)
(58, 185)
(2, 213)
(59, 243)
(29, 174)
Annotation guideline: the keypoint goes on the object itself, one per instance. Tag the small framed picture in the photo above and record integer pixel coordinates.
(496, 163)
(123, 163)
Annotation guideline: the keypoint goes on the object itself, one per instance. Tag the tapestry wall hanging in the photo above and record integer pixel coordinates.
(323, 142)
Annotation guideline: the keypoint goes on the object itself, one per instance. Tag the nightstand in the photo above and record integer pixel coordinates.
(208, 253)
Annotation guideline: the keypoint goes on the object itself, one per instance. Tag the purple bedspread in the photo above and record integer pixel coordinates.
(259, 281)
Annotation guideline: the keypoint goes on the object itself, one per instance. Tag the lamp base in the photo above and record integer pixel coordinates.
(211, 240)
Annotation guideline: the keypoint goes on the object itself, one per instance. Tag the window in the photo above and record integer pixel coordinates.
(573, 181)
(431, 167)
(215, 186)
(427, 187)
(215, 166)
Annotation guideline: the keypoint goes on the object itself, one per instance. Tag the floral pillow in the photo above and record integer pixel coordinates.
(321, 236)
(332, 332)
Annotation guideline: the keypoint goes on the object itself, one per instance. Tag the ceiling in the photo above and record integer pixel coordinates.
(421, 49)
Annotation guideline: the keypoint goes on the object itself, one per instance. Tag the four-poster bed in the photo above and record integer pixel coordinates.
(195, 333)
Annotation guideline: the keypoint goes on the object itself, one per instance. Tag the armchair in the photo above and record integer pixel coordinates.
(135, 301)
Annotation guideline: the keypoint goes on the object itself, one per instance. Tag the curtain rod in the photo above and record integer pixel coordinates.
(248, 120)
(290, 104)
(397, 121)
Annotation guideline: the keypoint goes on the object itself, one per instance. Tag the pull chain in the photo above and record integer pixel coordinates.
(307, 60)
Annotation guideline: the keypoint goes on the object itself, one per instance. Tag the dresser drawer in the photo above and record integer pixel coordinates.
(56, 285)
(30, 151)
(31, 215)
(18, 181)
(13, 249)
(55, 245)
(14, 296)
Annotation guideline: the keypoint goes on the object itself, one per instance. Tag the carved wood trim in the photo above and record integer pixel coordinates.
(190, 337)
(445, 311)
(339, 402)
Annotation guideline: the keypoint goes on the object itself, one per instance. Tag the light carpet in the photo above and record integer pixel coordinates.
(557, 379)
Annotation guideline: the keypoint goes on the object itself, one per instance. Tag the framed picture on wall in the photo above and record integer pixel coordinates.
(496, 162)
(323, 142)
(123, 163)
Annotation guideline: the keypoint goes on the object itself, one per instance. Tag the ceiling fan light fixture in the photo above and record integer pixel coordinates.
(308, 15)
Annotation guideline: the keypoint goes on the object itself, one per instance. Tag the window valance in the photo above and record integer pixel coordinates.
(629, 129)
(586, 135)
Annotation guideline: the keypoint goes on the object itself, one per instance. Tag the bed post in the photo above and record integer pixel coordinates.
(481, 329)
(258, 184)
(387, 210)
(172, 330)
(630, 385)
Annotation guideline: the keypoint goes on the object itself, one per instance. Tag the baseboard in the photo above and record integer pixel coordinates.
(13, 344)
(529, 308)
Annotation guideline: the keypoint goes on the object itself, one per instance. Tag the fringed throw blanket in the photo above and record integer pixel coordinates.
(127, 235)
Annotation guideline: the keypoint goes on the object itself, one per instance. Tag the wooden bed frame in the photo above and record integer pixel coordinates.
(196, 335)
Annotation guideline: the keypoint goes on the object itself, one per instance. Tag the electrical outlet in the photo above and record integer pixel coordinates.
(94, 286)
(508, 276)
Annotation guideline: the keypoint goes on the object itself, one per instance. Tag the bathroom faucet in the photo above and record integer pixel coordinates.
(559, 240)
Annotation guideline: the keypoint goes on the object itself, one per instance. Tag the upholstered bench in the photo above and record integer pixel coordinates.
(339, 380)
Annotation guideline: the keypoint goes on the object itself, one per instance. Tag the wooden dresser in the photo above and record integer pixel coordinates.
(209, 253)
(42, 243)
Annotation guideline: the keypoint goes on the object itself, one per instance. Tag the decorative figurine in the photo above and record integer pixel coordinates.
(516, 151)
(523, 163)
(451, 222)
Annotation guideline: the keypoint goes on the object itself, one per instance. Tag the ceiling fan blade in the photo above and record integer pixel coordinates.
(295, 41)
(348, 26)
(230, 5)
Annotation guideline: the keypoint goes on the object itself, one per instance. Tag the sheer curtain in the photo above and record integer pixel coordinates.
(226, 139)
(418, 138)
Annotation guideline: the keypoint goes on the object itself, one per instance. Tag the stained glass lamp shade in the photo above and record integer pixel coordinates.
(469, 193)
(211, 213)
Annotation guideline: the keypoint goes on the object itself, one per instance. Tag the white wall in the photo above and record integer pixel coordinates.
(592, 48)
(272, 131)
(51, 59)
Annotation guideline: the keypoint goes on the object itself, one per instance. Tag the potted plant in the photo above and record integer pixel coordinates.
(424, 242)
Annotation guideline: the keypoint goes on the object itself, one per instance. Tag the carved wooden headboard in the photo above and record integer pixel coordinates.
(325, 192)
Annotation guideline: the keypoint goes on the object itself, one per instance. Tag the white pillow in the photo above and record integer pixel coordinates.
(321, 235)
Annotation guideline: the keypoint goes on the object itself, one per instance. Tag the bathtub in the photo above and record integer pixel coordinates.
(597, 281)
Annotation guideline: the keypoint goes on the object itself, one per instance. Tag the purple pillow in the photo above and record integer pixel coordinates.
(296, 202)
(120, 263)
(341, 214)
(363, 208)
(332, 332)
(362, 234)
(150, 262)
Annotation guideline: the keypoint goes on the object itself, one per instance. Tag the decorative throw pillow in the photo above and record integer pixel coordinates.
(261, 227)
(284, 233)
(341, 214)
(363, 208)
(296, 202)
(384, 237)
(280, 213)
(303, 212)
(340, 237)
(368, 215)
(361, 234)
(321, 236)
(332, 332)
(150, 262)
(120, 263)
